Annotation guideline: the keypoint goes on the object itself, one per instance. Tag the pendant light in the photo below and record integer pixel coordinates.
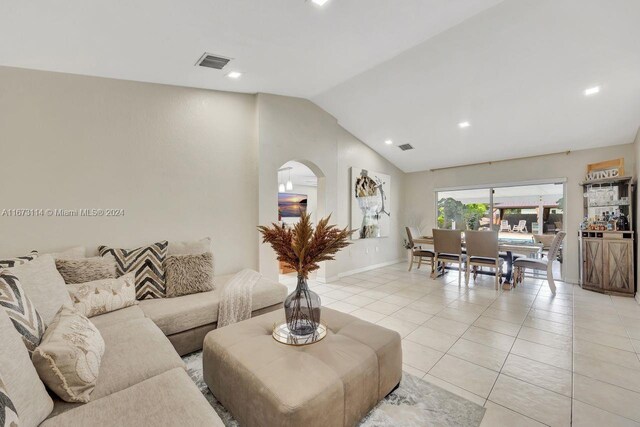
(289, 183)
(280, 184)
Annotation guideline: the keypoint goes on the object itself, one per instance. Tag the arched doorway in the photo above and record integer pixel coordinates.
(300, 191)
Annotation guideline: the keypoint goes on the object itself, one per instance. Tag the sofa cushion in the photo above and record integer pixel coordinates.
(146, 262)
(27, 392)
(43, 285)
(104, 296)
(135, 350)
(114, 317)
(68, 358)
(86, 269)
(192, 247)
(173, 315)
(21, 311)
(168, 399)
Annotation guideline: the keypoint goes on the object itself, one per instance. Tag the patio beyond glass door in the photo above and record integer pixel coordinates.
(464, 209)
(528, 210)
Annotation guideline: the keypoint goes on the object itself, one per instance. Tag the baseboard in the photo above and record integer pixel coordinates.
(361, 270)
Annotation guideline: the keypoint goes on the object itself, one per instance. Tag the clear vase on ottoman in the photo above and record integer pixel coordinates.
(302, 248)
(302, 309)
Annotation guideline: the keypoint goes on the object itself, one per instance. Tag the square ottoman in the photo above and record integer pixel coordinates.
(334, 382)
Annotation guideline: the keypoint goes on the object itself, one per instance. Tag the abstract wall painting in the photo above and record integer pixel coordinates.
(370, 203)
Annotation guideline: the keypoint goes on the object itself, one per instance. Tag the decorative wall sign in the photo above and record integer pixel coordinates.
(370, 203)
(604, 170)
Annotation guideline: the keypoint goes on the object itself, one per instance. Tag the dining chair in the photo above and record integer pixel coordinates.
(447, 245)
(483, 251)
(540, 264)
(417, 251)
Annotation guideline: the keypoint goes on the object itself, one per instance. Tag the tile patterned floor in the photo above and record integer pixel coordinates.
(530, 358)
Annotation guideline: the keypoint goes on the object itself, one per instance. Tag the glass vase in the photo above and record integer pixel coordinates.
(302, 309)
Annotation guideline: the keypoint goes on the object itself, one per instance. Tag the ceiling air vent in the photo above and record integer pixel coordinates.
(213, 61)
(405, 147)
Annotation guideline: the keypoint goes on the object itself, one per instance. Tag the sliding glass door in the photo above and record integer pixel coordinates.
(464, 209)
(527, 210)
(517, 211)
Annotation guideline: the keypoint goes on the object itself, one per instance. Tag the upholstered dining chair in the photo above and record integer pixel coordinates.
(483, 251)
(447, 244)
(540, 264)
(417, 251)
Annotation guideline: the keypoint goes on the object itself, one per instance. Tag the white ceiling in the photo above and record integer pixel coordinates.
(287, 47)
(407, 70)
(516, 72)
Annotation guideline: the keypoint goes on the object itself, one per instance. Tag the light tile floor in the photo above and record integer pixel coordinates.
(530, 358)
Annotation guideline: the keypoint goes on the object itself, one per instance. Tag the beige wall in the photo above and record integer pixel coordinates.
(297, 129)
(186, 163)
(181, 162)
(420, 196)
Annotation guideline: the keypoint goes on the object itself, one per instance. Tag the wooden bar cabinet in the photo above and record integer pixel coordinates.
(607, 255)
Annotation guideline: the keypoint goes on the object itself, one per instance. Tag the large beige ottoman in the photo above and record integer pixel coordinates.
(334, 382)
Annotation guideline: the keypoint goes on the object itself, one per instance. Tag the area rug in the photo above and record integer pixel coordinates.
(415, 403)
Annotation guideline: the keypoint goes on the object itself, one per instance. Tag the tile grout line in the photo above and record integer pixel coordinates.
(505, 360)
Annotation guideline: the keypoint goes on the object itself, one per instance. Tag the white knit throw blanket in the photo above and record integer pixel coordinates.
(236, 298)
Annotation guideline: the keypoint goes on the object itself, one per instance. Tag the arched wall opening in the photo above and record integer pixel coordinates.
(301, 190)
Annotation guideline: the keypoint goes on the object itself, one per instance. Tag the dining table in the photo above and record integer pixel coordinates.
(507, 250)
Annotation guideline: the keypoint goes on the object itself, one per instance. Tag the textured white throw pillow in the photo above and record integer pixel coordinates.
(73, 253)
(192, 247)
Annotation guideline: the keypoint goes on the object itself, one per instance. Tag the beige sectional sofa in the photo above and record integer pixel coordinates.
(187, 319)
(142, 379)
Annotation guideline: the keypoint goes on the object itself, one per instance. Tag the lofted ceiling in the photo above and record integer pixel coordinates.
(406, 70)
(286, 47)
(516, 73)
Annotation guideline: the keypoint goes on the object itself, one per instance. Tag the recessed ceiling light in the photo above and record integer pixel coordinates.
(234, 75)
(463, 125)
(388, 142)
(319, 2)
(592, 91)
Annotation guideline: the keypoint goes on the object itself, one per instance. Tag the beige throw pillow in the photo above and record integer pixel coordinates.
(189, 274)
(103, 296)
(87, 269)
(68, 358)
(43, 285)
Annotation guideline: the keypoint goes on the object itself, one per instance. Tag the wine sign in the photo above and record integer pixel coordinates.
(604, 170)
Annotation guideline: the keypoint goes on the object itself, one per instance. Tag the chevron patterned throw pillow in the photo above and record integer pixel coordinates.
(147, 263)
(21, 311)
